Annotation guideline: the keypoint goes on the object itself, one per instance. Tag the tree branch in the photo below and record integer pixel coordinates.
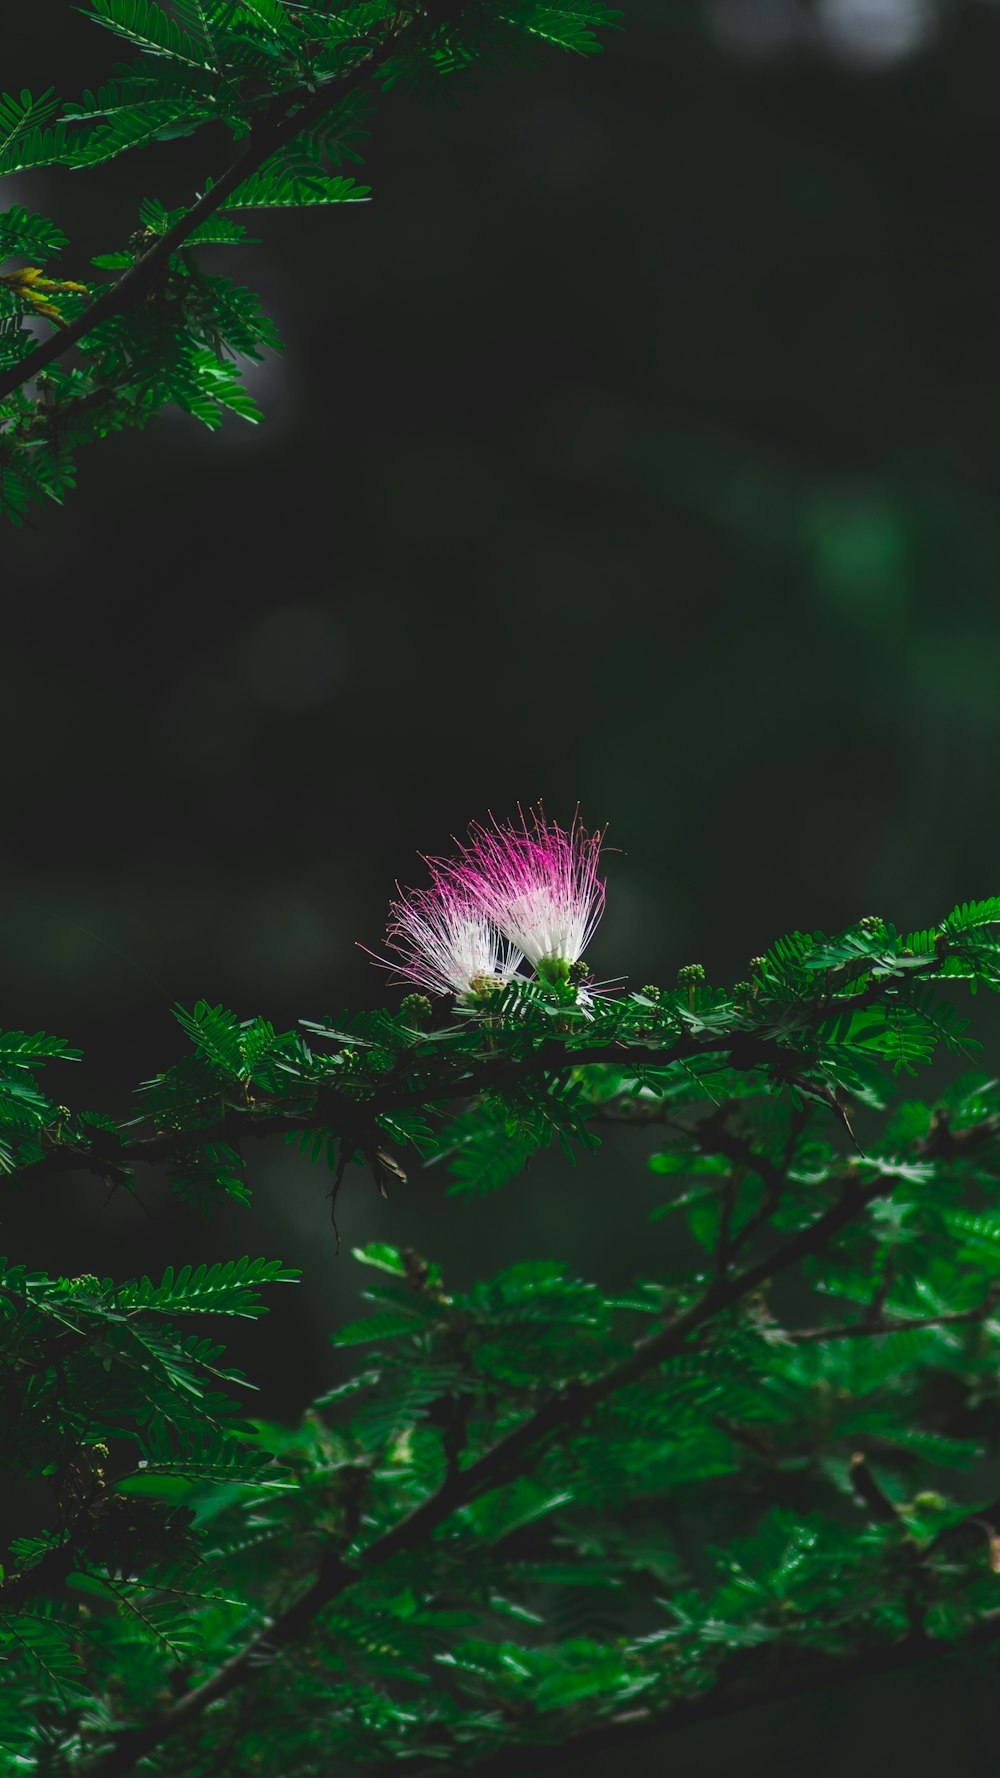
(562, 1414)
(277, 126)
(345, 1112)
(337, 1109)
(855, 1330)
(795, 1679)
(351, 1115)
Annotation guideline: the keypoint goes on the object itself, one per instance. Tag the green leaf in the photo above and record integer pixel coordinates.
(572, 27)
(216, 1032)
(390, 1325)
(229, 1287)
(282, 189)
(971, 915)
(382, 1256)
(143, 23)
(25, 139)
(34, 237)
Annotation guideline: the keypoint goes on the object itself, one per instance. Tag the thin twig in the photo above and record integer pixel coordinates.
(855, 1330)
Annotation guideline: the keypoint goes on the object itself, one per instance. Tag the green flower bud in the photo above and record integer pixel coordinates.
(651, 991)
(929, 1502)
(85, 1284)
(416, 1007)
(689, 976)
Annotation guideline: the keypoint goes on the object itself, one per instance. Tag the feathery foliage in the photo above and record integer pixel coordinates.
(538, 1511)
(295, 85)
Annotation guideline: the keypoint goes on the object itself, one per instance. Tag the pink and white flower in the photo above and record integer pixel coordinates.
(538, 884)
(445, 942)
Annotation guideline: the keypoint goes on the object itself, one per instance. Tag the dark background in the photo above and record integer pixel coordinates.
(636, 445)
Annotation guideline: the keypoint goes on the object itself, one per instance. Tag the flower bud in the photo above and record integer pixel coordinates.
(689, 975)
(928, 1502)
(86, 1284)
(415, 1007)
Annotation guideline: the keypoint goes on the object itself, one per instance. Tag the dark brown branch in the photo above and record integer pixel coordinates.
(776, 1178)
(562, 1414)
(724, 1247)
(355, 1117)
(942, 1143)
(712, 1135)
(855, 1330)
(279, 124)
(798, 1676)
